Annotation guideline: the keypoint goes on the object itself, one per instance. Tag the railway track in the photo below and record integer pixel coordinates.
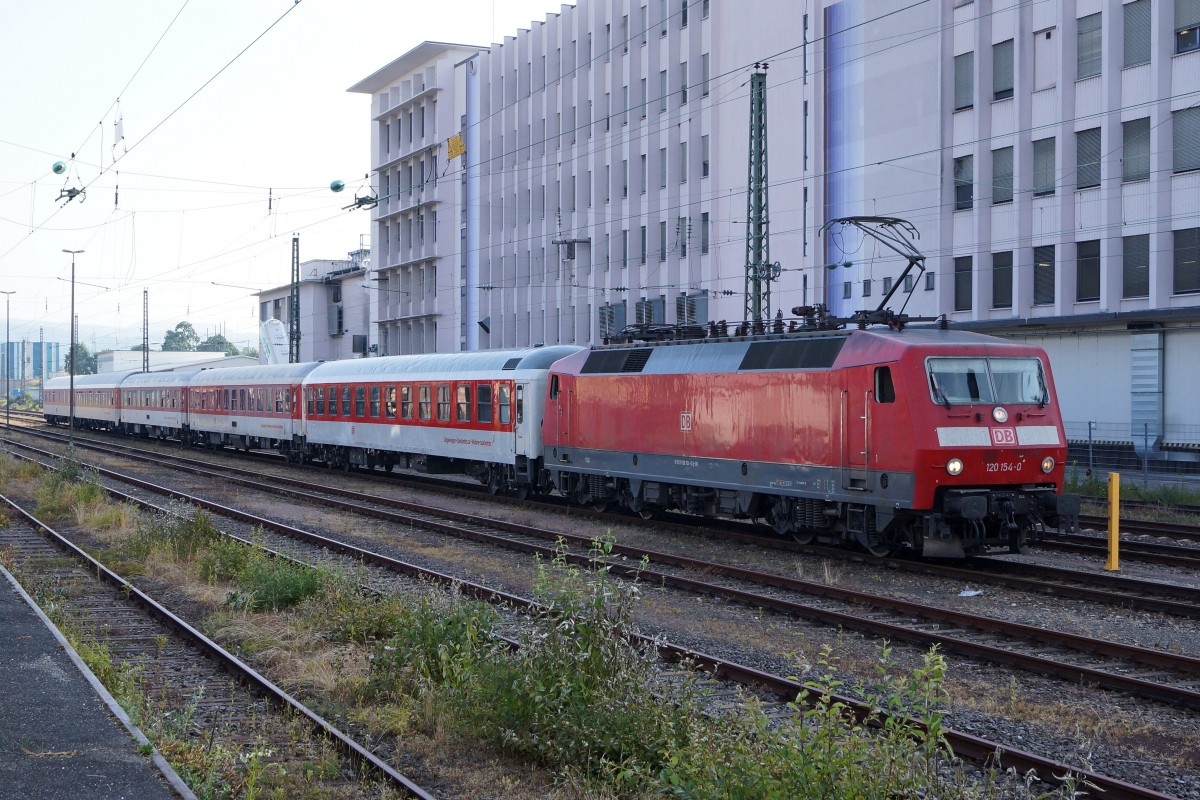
(186, 673)
(969, 747)
(1142, 672)
(1111, 589)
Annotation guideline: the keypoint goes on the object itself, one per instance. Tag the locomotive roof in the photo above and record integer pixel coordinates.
(806, 350)
(473, 361)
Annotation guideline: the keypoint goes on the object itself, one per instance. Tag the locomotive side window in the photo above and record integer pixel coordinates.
(424, 407)
(360, 401)
(374, 401)
(553, 387)
(443, 402)
(505, 404)
(320, 392)
(406, 402)
(483, 402)
(390, 402)
(463, 404)
(885, 391)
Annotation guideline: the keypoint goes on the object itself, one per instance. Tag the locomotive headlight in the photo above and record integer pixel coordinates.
(954, 466)
(1047, 464)
(999, 414)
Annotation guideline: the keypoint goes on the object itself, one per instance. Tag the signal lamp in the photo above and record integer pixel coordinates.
(999, 414)
(954, 466)
(1047, 464)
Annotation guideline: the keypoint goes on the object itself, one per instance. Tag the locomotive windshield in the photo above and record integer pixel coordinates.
(964, 381)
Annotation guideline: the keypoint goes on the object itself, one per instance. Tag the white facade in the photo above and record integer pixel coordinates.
(160, 360)
(335, 308)
(1049, 158)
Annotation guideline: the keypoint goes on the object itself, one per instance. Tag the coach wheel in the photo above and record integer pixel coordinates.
(649, 512)
(495, 481)
(523, 491)
(880, 550)
(600, 506)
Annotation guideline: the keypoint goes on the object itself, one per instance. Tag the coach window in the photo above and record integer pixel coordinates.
(333, 401)
(406, 401)
(310, 401)
(483, 402)
(346, 401)
(389, 403)
(443, 402)
(320, 393)
(505, 404)
(374, 401)
(241, 399)
(262, 399)
(885, 391)
(424, 406)
(462, 405)
(360, 401)
(520, 404)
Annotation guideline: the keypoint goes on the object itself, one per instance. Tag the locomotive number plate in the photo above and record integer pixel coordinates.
(1002, 466)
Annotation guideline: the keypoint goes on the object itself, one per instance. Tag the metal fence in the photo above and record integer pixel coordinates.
(1164, 451)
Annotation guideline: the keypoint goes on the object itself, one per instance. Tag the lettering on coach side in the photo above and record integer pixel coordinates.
(1004, 437)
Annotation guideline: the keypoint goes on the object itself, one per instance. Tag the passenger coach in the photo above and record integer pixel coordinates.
(476, 413)
(97, 400)
(248, 407)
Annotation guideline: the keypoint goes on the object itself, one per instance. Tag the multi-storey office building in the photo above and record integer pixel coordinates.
(1048, 153)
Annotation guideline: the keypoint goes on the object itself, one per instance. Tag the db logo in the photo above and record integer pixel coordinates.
(685, 420)
(1004, 436)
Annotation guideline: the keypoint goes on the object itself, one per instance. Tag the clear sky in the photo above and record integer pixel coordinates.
(209, 184)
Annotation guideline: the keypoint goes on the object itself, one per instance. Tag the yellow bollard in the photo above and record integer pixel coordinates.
(1114, 520)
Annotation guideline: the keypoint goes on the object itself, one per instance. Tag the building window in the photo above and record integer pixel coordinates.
(1135, 150)
(964, 169)
(662, 240)
(704, 156)
(1137, 33)
(1002, 175)
(1002, 279)
(1087, 158)
(887, 284)
(1088, 55)
(1187, 26)
(929, 283)
(846, 289)
(683, 162)
(962, 283)
(1087, 271)
(644, 244)
(1043, 275)
(1043, 167)
(1002, 70)
(1186, 131)
(1187, 261)
(1045, 60)
(1135, 266)
(964, 78)
(866, 289)
(703, 234)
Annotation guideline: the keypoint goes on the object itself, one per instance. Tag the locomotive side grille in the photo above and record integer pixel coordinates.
(636, 360)
(601, 361)
(802, 354)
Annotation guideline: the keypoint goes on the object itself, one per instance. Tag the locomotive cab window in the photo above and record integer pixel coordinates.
(964, 381)
(885, 390)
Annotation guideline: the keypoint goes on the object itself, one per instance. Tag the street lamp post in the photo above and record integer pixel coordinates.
(72, 354)
(7, 358)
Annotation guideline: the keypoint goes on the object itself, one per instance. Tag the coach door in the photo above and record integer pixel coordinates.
(521, 419)
(856, 431)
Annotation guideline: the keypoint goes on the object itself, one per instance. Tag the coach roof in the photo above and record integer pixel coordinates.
(477, 361)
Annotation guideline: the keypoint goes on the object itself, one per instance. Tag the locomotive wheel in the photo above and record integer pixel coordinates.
(804, 535)
(881, 550)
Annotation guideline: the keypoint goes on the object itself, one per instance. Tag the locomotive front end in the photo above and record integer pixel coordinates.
(994, 464)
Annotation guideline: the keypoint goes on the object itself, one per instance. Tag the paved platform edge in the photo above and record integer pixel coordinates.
(114, 707)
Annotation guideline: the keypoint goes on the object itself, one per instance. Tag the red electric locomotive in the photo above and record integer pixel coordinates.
(933, 441)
